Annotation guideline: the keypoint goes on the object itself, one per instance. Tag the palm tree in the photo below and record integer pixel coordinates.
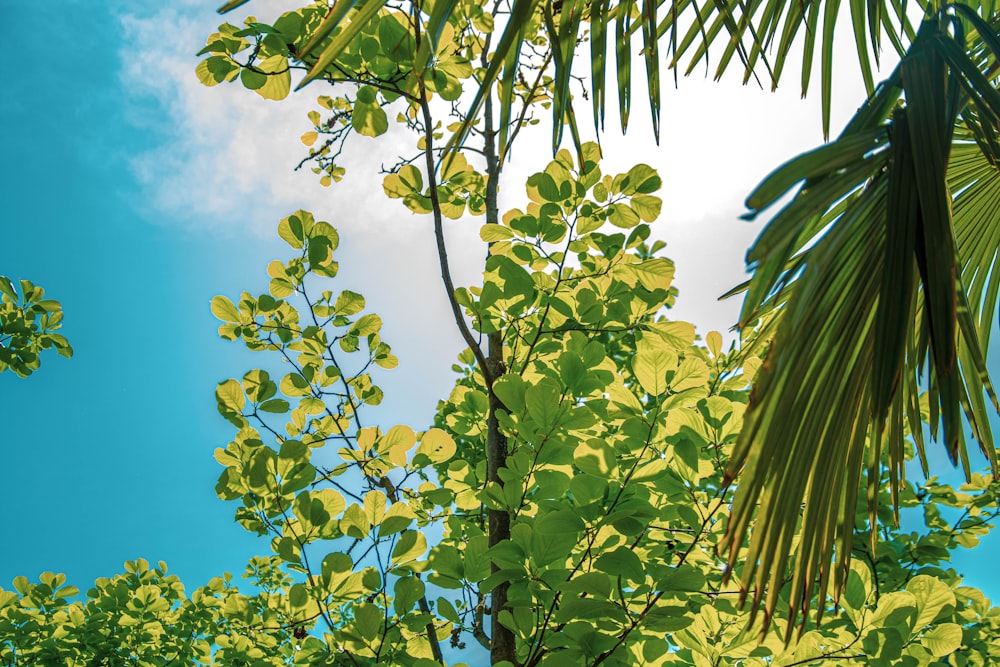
(881, 267)
(878, 280)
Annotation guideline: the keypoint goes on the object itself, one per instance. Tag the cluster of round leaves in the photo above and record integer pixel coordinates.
(144, 617)
(27, 323)
(265, 70)
(459, 187)
(299, 491)
(380, 61)
(618, 438)
(552, 258)
(618, 423)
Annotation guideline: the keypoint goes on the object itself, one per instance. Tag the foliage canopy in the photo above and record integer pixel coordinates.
(27, 323)
(587, 488)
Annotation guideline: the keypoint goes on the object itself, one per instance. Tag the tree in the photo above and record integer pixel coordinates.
(574, 485)
(616, 476)
(877, 203)
(880, 267)
(143, 617)
(618, 425)
(27, 323)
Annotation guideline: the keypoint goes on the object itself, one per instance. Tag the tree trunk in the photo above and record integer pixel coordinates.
(502, 640)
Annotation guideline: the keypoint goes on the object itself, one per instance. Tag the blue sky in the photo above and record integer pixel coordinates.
(134, 195)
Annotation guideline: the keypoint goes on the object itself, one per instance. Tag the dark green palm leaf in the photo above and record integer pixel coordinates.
(598, 60)
(623, 59)
(884, 263)
(343, 38)
(742, 28)
(231, 5)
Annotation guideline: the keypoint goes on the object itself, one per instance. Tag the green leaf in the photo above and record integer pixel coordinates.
(251, 79)
(275, 405)
(231, 5)
(407, 590)
(446, 610)
(298, 596)
(510, 388)
(294, 384)
(587, 488)
(367, 325)
(646, 207)
(408, 181)
(623, 59)
(368, 118)
(447, 561)
(441, 12)
(491, 233)
(396, 520)
(545, 186)
(678, 334)
(294, 229)
(654, 274)
(691, 373)
(543, 403)
(411, 545)
(325, 231)
(229, 395)
(641, 180)
(713, 339)
(224, 309)
(7, 288)
(896, 611)
(278, 81)
(932, 595)
(331, 502)
(258, 386)
(349, 303)
(821, 161)
(319, 252)
(622, 562)
(621, 215)
(216, 69)
(944, 639)
(515, 281)
(653, 360)
(684, 578)
(375, 502)
(396, 442)
(369, 620)
(595, 457)
(354, 523)
(436, 445)
(281, 288)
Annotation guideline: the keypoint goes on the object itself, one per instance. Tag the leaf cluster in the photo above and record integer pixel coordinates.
(27, 323)
(144, 617)
(874, 282)
(619, 429)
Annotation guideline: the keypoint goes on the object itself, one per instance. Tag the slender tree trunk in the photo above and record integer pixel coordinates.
(502, 640)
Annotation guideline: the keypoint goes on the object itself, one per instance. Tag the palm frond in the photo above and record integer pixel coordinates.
(748, 32)
(231, 5)
(883, 265)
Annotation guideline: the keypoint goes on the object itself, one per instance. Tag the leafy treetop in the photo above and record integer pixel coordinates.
(27, 323)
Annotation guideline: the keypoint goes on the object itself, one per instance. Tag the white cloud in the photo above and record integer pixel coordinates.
(227, 156)
(227, 165)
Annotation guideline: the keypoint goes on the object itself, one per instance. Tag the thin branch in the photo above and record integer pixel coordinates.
(442, 249)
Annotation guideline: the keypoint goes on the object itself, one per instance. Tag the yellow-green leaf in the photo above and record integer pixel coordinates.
(943, 639)
(224, 309)
(396, 520)
(436, 445)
